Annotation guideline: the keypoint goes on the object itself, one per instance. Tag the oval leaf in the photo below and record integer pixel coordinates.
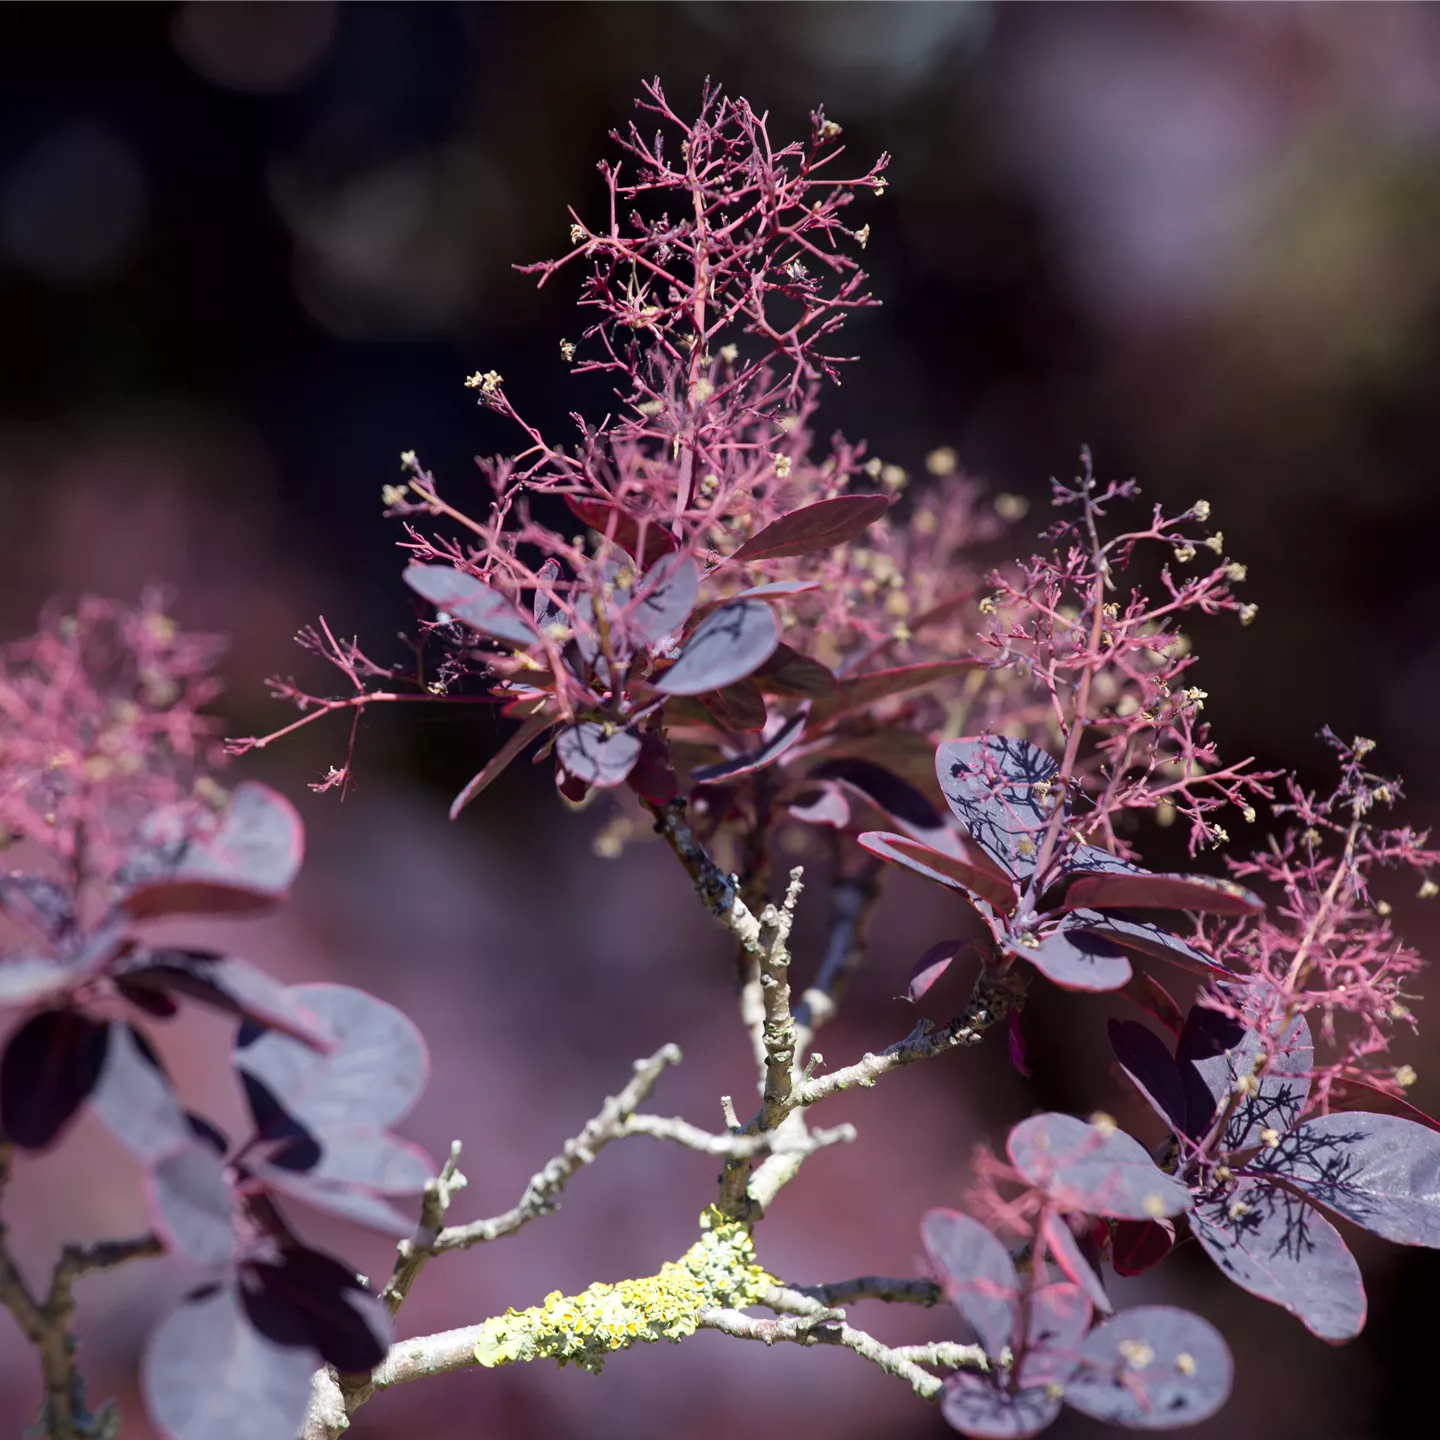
(208, 1372)
(855, 692)
(786, 734)
(814, 527)
(499, 762)
(308, 1292)
(1152, 1368)
(665, 598)
(1274, 1245)
(193, 1203)
(24, 979)
(50, 1066)
(1071, 1259)
(729, 644)
(947, 870)
(370, 1160)
(1379, 1171)
(134, 1098)
(626, 531)
(360, 1207)
(1139, 1245)
(1056, 1319)
(1075, 959)
(1093, 1168)
(598, 754)
(1001, 791)
(980, 1406)
(930, 967)
(739, 707)
(463, 597)
(1151, 1069)
(1205, 893)
(976, 1273)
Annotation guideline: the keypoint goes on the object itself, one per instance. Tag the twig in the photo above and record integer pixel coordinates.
(852, 898)
(874, 1287)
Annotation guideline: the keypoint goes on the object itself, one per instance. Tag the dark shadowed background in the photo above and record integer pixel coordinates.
(248, 254)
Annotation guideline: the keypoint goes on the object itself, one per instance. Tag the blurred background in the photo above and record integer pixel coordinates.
(248, 252)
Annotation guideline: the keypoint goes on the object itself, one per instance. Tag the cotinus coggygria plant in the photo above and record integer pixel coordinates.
(711, 627)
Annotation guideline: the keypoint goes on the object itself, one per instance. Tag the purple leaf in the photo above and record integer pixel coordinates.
(814, 527)
(1161, 892)
(1004, 792)
(664, 598)
(50, 1067)
(1145, 937)
(1139, 1245)
(1352, 1094)
(48, 908)
(1274, 1245)
(1056, 1319)
(980, 1406)
(930, 967)
(855, 692)
(499, 762)
(544, 605)
(824, 804)
(246, 863)
(1075, 958)
(1156, 1001)
(463, 597)
(740, 706)
(1071, 1259)
(786, 734)
(24, 979)
(624, 530)
(653, 776)
(1151, 1068)
(226, 983)
(947, 870)
(1093, 1168)
(1379, 1171)
(370, 1078)
(1214, 1051)
(777, 590)
(208, 1373)
(192, 1203)
(906, 806)
(360, 1207)
(788, 672)
(727, 645)
(134, 1098)
(976, 1273)
(1152, 1368)
(598, 754)
(308, 1293)
(370, 1160)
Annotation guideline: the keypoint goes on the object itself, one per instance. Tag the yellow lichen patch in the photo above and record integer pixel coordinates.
(718, 1270)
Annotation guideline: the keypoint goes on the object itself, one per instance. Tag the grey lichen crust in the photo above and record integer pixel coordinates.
(719, 1270)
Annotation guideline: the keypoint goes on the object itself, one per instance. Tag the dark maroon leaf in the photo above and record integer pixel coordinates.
(664, 599)
(463, 597)
(1145, 937)
(499, 762)
(739, 707)
(1003, 792)
(1139, 1245)
(50, 1066)
(947, 870)
(226, 983)
(308, 1291)
(786, 734)
(192, 1203)
(1161, 892)
(25, 979)
(1358, 1095)
(1093, 1168)
(1379, 1171)
(134, 1098)
(1274, 1245)
(1056, 1319)
(1091, 860)
(976, 1273)
(787, 672)
(906, 806)
(624, 530)
(573, 789)
(247, 863)
(1154, 999)
(653, 776)
(1152, 1069)
(152, 1002)
(1075, 958)
(368, 1159)
(1152, 1368)
(1015, 1044)
(45, 906)
(208, 1373)
(727, 645)
(1214, 1051)
(370, 1078)
(1071, 1259)
(930, 967)
(855, 692)
(210, 1134)
(360, 1207)
(600, 755)
(981, 1406)
(814, 527)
